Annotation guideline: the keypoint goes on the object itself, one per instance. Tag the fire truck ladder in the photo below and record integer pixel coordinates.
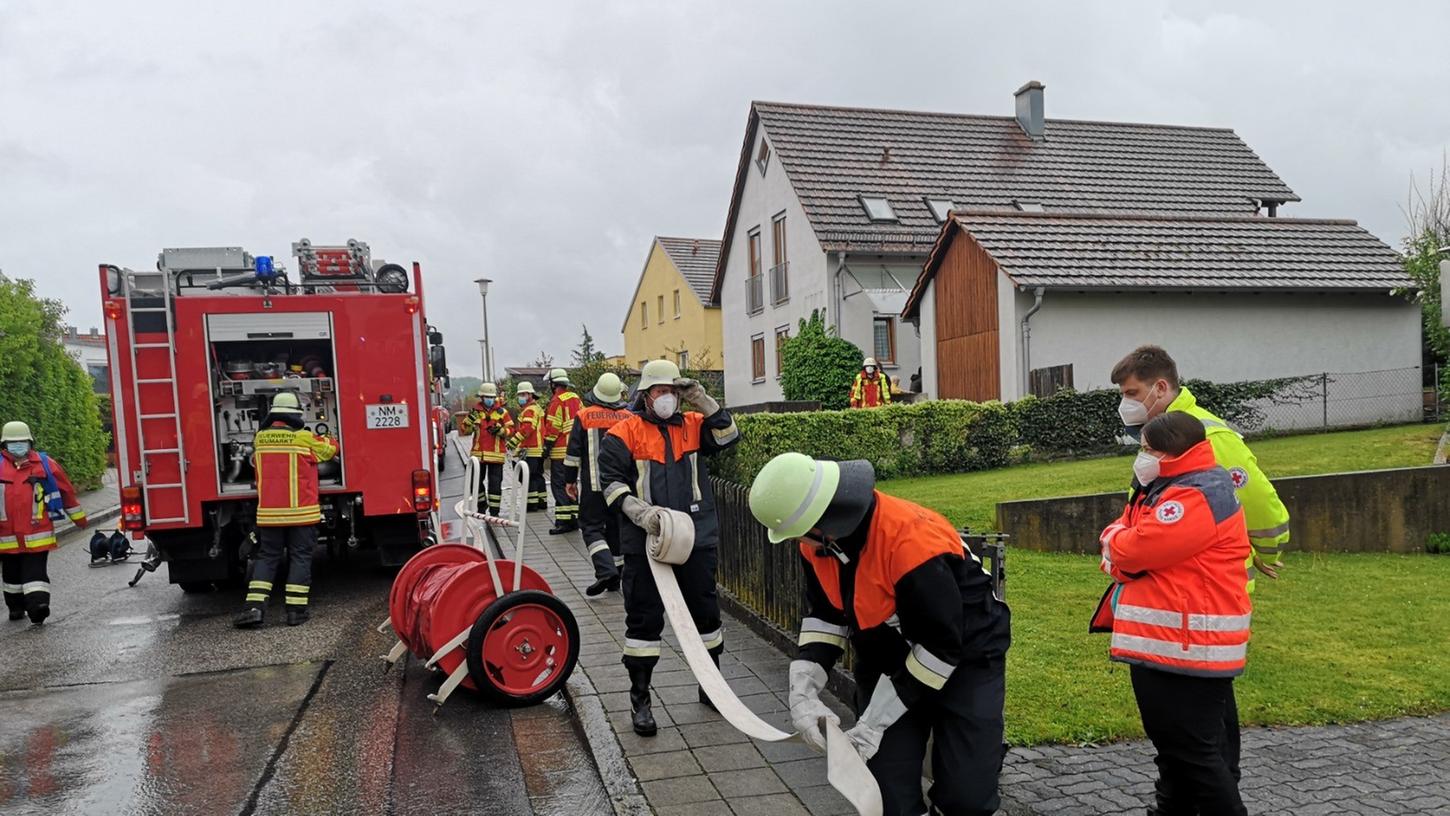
(167, 352)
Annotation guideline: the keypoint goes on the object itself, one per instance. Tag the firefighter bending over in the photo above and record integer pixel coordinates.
(558, 423)
(871, 388)
(528, 442)
(651, 461)
(285, 456)
(37, 491)
(930, 638)
(598, 522)
(491, 426)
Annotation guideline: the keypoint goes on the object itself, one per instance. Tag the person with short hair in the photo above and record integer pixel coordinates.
(1179, 611)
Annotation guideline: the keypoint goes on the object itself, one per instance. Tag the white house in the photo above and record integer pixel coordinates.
(90, 351)
(1012, 303)
(836, 209)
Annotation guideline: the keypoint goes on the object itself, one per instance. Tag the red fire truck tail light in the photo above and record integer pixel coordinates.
(422, 492)
(411, 304)
(133, 510)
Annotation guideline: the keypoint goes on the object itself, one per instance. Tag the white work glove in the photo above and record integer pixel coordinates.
(807, 678)
(884, 709)
(645, 516)
(695, 394)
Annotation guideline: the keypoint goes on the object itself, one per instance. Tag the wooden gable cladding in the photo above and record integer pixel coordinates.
(968, 342)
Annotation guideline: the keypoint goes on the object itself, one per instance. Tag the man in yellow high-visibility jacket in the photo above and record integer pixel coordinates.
(1148, 380)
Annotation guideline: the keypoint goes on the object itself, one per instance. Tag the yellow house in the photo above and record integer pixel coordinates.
(670, 316)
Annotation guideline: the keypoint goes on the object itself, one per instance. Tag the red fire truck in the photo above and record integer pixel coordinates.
(200, 347)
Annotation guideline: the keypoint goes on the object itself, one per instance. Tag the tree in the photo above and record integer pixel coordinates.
(544, 360)
(44, 386)
(586, 354)
(819, 366)
(1428, 214)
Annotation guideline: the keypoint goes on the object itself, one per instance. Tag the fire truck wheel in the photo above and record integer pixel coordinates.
(195, 587)
(523, 648)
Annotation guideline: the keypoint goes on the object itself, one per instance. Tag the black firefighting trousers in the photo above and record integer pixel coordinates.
(491, 497)
(599, 524)
(538, 499)
(566, 511)
(1184, 717)
(26, 582)
(298, 544)
(644, 612)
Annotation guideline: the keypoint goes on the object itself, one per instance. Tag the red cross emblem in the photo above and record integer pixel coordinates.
(1239, 476)
(1169, 512)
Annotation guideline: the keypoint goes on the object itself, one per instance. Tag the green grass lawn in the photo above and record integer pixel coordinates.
(970, 499)
(1338, 638)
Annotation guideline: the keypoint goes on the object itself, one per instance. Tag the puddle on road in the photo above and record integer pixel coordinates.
(142, 620)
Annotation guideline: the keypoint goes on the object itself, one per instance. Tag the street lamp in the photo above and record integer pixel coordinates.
(487, 352)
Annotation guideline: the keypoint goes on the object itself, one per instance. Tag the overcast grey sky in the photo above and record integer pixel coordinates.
(543, 144)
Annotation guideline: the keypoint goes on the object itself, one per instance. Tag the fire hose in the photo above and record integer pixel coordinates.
(845, 769)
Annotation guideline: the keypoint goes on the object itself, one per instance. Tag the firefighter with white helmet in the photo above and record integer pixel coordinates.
(558, 424)
(650, 462)
(285, 456)
(871, 388)
(528, 442)
(36, 493)
(491, 425)
(929, 636)
(599, 524)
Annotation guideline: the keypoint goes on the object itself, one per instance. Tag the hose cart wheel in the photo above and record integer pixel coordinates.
(523, 647)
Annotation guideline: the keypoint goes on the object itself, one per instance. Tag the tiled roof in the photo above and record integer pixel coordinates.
(696, 259)
(1174, 252)
(834, 156)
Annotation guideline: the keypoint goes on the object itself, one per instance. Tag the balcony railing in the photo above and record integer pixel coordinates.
(780, 283)
(754, 294)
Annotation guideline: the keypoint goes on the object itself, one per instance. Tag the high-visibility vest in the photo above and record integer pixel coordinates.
(870, 392)
(1177, 552)
(286, 464)
(25, 519)
(559, 421)
(491, 429)
(529, 432)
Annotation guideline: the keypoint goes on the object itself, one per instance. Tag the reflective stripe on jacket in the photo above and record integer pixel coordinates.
(25, 526)
(1264, 514)
(491, 428)
(529, 430)
(1178, 552)
(869, 392)
(659, 462)
(581, 462)
(286, 463)
(559, 421)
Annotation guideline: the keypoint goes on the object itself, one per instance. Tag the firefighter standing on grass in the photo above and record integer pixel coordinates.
(36, 490)
(491, 425)
(871, 388)
(930, 639)
(650, 462)
(285, 456)
(558, 423)
(528, 442)
(598, 522)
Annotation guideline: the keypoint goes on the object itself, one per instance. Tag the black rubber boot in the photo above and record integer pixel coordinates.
(705, 698)
(610, 584)
(17, 614)
(38, 614)
(642, 718)
(249, 618)
(297, 615)
(563, 528)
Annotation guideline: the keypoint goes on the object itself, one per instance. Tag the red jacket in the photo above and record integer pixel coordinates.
(286, 462)
(1178, 553)
(529, 430)
(491, 429)
(870, 392)
(559, 422)
(24, 524)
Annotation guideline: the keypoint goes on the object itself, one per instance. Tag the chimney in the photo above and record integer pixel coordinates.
(1029, 110)
(94, 331)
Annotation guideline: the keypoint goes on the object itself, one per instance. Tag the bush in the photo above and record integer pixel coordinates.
(1438, 544)
(1070, 422)
(1234, 402)
(818, 366)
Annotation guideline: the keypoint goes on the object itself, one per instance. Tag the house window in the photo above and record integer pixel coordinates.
(1044, 382)
(100, 377)
(754, 291)
(780, 270)
(643, 315)
(878, 209)
(885, 340)
(940, 208)
(682, 359)
(660, 308)
(782, 334)
(677, 304)
(762, 156)
(757, 358)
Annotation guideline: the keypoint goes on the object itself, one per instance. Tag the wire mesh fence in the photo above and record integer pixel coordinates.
(1347, 400)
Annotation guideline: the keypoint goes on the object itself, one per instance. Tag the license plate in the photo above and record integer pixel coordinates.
(393, 415)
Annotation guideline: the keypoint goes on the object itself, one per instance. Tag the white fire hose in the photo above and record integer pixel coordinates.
(845, 769)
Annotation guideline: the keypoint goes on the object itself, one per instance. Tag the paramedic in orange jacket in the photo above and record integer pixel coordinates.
(35, 488)
(285, 457)
(1179, 610)
(929, 636)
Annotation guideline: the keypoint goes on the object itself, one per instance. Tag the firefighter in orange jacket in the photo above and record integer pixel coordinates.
(1179, 610)
(528, 442)
(930, 638)
(599, 524)
(871, 388)
(558, 423)
(285, 457)
(491, 425)
(36, 491)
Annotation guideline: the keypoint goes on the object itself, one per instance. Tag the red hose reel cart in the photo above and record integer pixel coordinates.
(488, 623)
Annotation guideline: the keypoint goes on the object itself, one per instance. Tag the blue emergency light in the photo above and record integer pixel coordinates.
(265, 270)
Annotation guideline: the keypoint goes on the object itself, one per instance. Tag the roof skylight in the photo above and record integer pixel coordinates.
(878, 209)
(940, 208)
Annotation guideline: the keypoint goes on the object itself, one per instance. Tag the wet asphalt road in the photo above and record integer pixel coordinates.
(145, 700)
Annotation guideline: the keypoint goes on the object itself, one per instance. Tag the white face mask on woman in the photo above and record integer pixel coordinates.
(664, 405)
(1146, 467)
